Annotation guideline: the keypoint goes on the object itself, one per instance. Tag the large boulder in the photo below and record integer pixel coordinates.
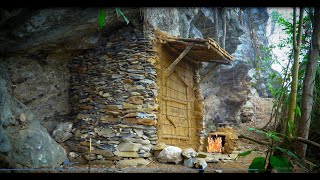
(22, 138)
(170, 154)
(33, 147)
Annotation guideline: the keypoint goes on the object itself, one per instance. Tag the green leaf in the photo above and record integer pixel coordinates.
(289, 153)
(280, 163)
(297, 111)
(273, 136)
(251, 129)
(257, 165)
(119, 12)
(245, 153)
(102, 17)
(290, 127)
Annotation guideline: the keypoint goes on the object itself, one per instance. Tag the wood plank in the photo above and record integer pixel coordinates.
(174, 137)
(209, 73)
(165, 98)
(171, 67)
(188, 39)
(187, 57)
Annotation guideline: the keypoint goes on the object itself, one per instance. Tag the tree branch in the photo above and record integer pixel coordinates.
(306, 141)
(254, 140)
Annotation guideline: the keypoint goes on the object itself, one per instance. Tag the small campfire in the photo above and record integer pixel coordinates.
(215, 143)
(221, 141)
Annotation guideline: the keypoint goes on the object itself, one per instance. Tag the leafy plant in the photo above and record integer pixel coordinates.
(102, 16)
(279, 162)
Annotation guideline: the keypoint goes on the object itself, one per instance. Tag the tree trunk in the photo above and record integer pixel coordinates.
(216, 26)
(224, 27)
(308, 85)
(294, 83)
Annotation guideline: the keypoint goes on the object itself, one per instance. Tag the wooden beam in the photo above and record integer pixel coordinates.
(217, 49)
(188, 57)
(175, 62)
(209, 73)
(187, 39)
(219, 61)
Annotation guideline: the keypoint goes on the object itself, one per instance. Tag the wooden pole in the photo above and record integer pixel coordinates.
(209, 73)
(90, 155)
(175, 62)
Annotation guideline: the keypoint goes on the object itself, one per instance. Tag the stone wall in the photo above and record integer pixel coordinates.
(112, 94)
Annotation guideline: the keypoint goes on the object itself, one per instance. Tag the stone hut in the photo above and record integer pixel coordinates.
(134, 92)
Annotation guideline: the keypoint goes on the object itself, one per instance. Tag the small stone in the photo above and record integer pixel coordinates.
(126, 154)
(139, 132)
(113, 142)
(114, 107)
(189, 153)
(128, 147)
(188, 162)
(145, 148)
(131, 106)
(105, 153)
(77, 134)
(135, 100)
(127, 81)
(82, 116)
(200, 163)
(106, 95)
(85, 143)
(106, 132)
(99, 156)
(135, 94)
(72, 155)
(160, 146)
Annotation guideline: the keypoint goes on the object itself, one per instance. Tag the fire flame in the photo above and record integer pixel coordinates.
(214, 144)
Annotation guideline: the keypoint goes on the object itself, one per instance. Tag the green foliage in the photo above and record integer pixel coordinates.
(257, 165)
(102, 16)
(245, 153)
(120, 13)
(289, 153)
(272, 135)
(297, 111)
(280, 163)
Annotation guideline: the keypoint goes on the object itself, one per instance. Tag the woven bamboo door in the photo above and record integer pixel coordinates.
(176, 126)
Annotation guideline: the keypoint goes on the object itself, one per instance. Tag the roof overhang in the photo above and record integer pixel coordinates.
(203, 50)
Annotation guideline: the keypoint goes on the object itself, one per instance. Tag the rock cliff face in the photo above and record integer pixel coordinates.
(38, 44)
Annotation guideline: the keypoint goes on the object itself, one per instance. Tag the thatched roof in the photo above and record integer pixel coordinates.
(204, 50)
